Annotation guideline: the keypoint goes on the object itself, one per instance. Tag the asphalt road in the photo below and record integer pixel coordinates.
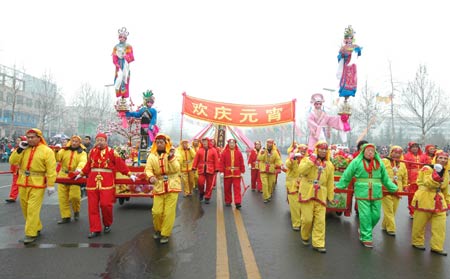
(208, 241)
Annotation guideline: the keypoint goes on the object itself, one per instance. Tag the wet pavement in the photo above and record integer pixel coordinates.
(129, 251)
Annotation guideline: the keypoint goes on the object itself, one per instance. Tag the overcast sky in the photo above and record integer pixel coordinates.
(236, 51)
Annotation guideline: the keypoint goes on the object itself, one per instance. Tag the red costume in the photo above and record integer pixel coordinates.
(206, 162)
(101, 169)
(232, 166)
(254, 165)
(427, 157)
(14, 192)
(413, 171)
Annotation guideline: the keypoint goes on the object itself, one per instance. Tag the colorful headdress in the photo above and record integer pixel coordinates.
(317, 97)
(349, 32)
(123, 32)
(148, 96)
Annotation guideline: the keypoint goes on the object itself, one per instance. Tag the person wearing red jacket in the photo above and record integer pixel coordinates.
(412, 158)
(428, 155)
(253, 164)
(232, 167)
(14, 192)
(206, 162)
(101, 167)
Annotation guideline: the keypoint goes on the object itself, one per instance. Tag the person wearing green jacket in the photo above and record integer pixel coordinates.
(371, 175)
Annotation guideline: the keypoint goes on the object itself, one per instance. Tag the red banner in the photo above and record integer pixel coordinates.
(238, 115)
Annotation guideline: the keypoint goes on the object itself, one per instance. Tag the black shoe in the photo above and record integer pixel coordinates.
(320, 249)
(228, 204)
(207, 201)
(93, 234)
(76, 216)
(10, 200)
(442, 253)
(419, 247)
(238, 206)
(107, 229)
(201, 197)
(64, 221)
(253, 190)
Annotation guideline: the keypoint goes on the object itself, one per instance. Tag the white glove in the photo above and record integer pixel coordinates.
(50, 191)
(437, 167)
(298, 154)
(78, 176)
(23, 144)
(133, 177)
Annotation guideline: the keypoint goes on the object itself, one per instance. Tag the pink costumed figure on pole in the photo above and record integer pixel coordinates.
(320, 123)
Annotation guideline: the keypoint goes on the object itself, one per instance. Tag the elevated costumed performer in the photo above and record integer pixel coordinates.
(122, 57)
(320, 123)
(347, 73)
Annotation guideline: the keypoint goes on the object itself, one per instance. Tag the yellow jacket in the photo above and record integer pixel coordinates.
(70, 160)
(309, 172)
(401, 173)
(186, 158)
(292, 175)
(168, 174)
(42, 169)
(431, 192)
(269, 162)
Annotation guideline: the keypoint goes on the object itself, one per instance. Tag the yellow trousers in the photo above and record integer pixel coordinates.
(195, 179)
(313, 223)
(69, 195)
(294, 206)
(188, 180)
(267, 181)
(389, 203)
(164, 212)
(438, 226)
(31, 203)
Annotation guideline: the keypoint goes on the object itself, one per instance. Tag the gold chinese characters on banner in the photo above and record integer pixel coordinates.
(238, 114)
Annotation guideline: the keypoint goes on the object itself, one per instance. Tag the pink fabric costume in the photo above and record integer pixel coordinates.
(320, 123)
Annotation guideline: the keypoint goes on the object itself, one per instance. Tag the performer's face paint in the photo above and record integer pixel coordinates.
(122, 38)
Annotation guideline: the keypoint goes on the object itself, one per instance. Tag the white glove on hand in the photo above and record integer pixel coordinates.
(438, 167)
(23, 144)
(133, 177)
(78, 177)
(50, 191)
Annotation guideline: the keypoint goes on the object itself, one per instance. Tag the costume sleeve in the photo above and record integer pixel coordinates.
(241, 163)
(425, 178)
(15, 158)
(173, 165)
(330, 181)
(149, 171)
(403, 175)
(154, 116)
(196, 158)
(59, 155)
(120, 165)
(386, 180)
(129, 56)
(50, 165)
(135, 114)
(82, 160)
(347, 175)
(306, 166)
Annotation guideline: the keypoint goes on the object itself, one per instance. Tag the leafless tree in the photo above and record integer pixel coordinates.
(50, 103)
(366, 112)
(15, 85)
(423, 104)
(393, 91)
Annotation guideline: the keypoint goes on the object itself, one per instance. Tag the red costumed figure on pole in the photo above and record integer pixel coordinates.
(207, 163)
(101, 167)
(232, 166)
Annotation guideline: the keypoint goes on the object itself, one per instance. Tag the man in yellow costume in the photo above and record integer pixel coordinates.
(72, 159)
(430, 204)
(293, 181)
(186, 155)
(399, 175)
(37, 171)
(316, 187)
(163, 171)
(269, 162)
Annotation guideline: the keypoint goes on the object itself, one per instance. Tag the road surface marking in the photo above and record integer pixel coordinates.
(247, 252)
(222, 269)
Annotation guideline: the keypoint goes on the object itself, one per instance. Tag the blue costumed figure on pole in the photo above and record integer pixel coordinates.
(347, 70)
(148, 116)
